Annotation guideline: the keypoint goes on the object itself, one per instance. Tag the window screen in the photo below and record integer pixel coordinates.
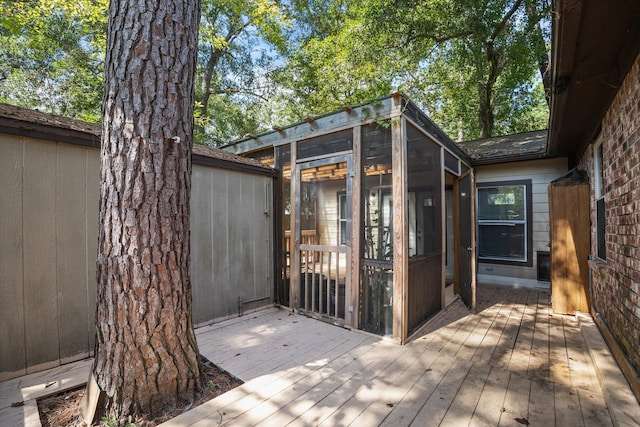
(503, 213)
(326, 144)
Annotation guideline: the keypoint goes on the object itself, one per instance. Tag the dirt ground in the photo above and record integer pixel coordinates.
(63, 409)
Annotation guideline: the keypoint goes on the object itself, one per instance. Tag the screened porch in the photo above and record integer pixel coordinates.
(375, 205)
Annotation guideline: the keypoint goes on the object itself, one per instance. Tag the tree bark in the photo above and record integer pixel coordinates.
(486, 117)
(146, 356)
(534, 16)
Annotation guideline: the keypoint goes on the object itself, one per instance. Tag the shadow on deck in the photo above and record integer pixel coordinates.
(514, 362)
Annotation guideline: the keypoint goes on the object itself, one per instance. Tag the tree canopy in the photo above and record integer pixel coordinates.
(52, 56)
(472, 65)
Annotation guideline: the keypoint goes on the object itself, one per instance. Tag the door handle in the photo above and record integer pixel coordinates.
(469, 248)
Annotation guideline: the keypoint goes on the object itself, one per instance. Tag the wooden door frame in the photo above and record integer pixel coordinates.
(298, 166)
(456, 248)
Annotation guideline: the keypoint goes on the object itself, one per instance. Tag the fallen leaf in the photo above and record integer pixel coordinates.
(428, 370)
(50, 384)
(390, 405)
(285, 345)
(17, 404)
(522, 421)
(237, 354)
(503, 409)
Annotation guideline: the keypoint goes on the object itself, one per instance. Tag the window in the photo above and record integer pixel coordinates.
(342, 217)
(504, 218)
(599, 189)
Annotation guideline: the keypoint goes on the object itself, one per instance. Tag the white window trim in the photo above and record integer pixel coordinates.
(598, 185)
(597, 169)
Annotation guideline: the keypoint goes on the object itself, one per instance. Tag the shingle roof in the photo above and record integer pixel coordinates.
(508, 148)
(26, 115)
(216, 153)
(21, 119)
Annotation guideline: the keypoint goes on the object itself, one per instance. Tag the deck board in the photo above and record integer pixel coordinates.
(464, 404)
(504, 349)
(519, 361)
(421, 390)
(436, 407)
(516, 401)
(490, 405)
(539, 360)
(567, 406)
(541, 402)
(558, 359)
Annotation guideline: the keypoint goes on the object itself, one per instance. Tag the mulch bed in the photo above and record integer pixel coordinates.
(63, 409)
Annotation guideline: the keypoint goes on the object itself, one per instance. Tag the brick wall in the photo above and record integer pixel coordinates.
(616, 285)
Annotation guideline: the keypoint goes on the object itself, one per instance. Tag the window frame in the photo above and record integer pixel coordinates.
(527, 261)
(600, 220)
(341, 220)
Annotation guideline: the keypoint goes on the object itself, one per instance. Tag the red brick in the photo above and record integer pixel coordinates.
(618, 298)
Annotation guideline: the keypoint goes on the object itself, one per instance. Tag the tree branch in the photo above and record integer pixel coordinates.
(232, 90)
(502, 25)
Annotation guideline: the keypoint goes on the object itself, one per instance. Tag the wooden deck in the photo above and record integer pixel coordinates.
(514, 362)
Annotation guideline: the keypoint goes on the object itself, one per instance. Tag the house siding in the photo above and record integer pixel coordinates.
(327, 206)
(541, 173)
(616, 282)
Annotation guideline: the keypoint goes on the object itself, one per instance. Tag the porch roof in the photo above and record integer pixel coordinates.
(346, 117)
(508, 148)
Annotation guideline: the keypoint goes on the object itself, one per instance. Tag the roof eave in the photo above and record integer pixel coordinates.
(588, 66)
(509, 159)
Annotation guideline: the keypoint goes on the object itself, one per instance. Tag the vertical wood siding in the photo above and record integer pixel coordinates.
(231, 243)
(48, 244)
(48, 221)
(12, 328)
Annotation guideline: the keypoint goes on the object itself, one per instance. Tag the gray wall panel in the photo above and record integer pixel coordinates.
(39, 224)
(240, 233)
(71, 259)
(92, 200)
(220, 244)
(12, 351)
(201, 256)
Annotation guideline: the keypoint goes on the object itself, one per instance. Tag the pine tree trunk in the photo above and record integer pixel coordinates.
(146, 355)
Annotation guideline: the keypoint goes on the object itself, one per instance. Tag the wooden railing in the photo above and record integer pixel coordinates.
(307, 237)
(323, 275)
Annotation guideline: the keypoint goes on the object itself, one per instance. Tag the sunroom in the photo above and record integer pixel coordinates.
(376, 206)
